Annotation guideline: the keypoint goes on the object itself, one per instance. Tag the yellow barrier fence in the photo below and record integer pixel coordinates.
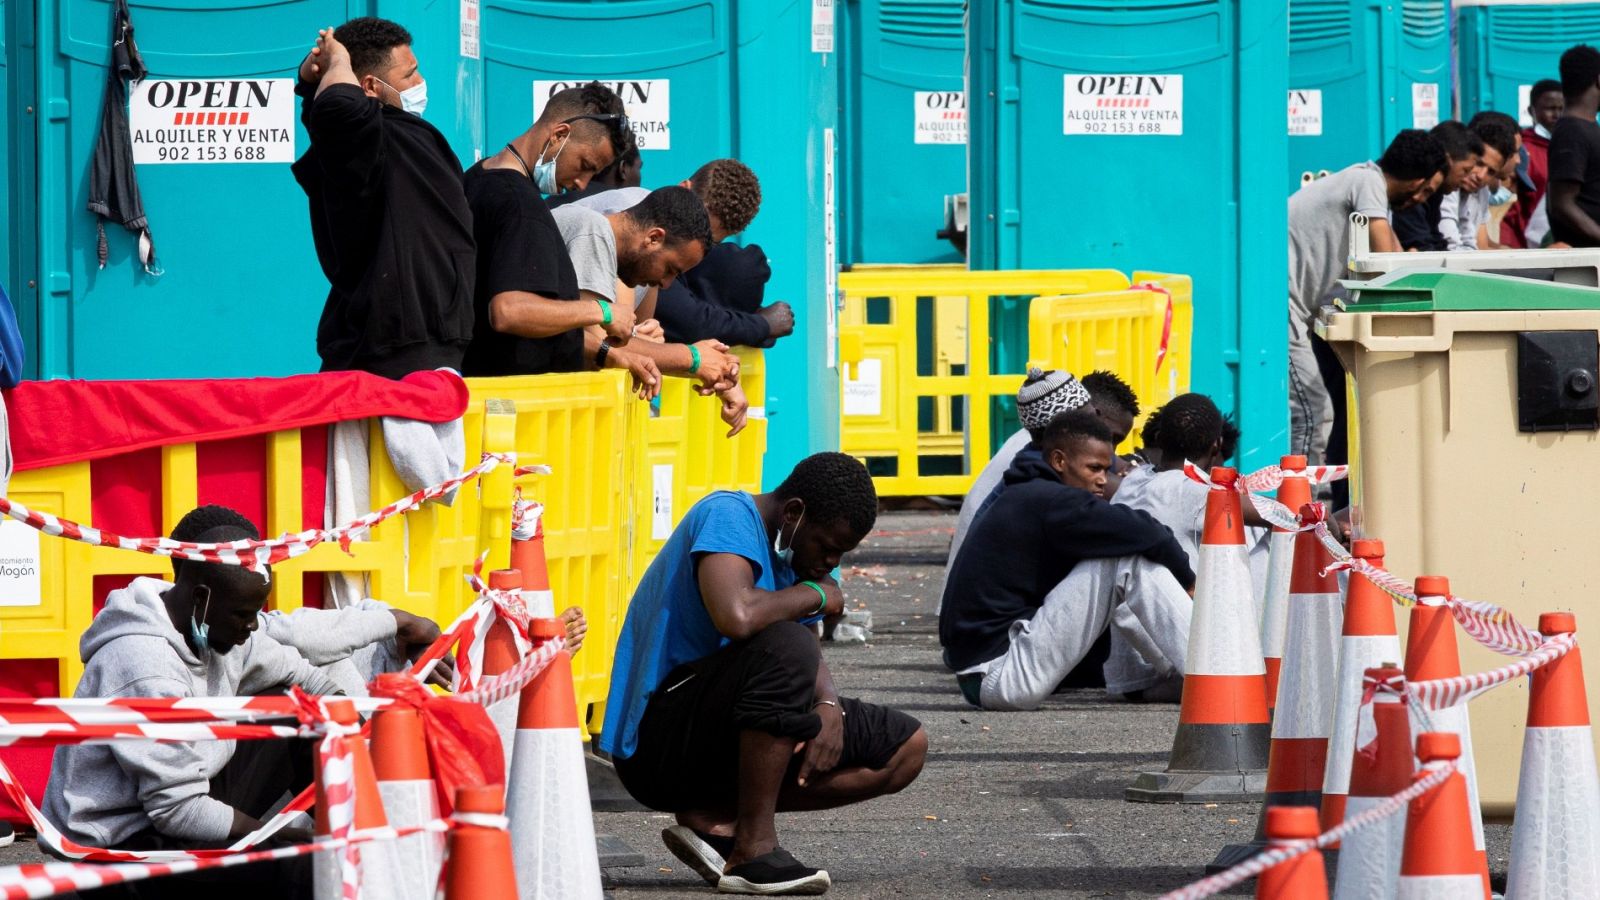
(927, 350)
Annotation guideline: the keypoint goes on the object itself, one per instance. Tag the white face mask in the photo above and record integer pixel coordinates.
(786, 554)
(413, 99)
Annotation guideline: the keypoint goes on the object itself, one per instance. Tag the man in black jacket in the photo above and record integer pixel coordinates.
(1051, 566)
(390, 221)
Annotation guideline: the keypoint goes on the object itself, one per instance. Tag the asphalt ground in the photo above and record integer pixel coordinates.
(1009, 804)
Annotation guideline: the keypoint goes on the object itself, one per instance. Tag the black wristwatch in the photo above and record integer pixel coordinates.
(601, 354)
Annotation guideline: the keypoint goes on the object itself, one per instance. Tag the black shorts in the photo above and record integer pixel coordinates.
(688, 750)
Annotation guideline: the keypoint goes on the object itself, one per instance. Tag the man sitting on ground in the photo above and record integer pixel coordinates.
(197, 637)
(1117, 405)
(722, 710)
(1051, 566)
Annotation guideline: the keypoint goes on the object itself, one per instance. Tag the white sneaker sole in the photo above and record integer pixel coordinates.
(810, 885)
(694, 853)
(7, 838)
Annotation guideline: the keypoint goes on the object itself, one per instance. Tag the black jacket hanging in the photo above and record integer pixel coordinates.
(113, 189)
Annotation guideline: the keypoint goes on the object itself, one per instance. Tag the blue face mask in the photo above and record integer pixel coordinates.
(544, 172)
(1501, 194)
(199, 629)
(786, 554)
(413, 99)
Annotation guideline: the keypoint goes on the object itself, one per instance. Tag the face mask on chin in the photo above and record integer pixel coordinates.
(544, 171)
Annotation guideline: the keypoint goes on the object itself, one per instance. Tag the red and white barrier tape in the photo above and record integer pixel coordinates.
(255, 555)
(1166, 321)
(510, 683)
(1443, 693)
(1265, 860)
(337, 765)
(1269, 477)
(490, 606)
(36, 880)
(153, 710)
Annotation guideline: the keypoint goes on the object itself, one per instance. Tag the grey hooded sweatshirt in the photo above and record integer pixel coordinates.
(102, 795)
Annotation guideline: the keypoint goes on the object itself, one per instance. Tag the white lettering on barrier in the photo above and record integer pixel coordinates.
(212, 120)
(863, 394)
(19, 565)
(940, 117)
(1137, 105)
(661, 502)
(648, 102)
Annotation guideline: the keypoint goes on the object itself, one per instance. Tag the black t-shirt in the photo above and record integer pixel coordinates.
(1417, 226)
(519, 249)
(1575, 156)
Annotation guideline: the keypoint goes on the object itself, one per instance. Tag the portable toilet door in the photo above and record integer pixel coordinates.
(8, 212)
(1505, 48)
(704, 79)
(1359, 72)
(1145, 135)
(904, 130)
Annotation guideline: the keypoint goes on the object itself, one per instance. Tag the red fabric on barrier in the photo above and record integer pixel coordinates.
(463, 746)
(31, 765)
(56, 422)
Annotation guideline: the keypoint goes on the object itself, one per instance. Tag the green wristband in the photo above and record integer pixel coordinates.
(694, 368)
(605, 312)
(821, 595)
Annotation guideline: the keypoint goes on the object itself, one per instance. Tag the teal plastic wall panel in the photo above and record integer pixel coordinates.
(1208, 202)
(1505, 49)
(8, 210)
(901, 65)
(1365, 65)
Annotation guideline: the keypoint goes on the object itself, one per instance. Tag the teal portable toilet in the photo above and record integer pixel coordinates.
(1359, 72)
(1144, 134)
(1506, 48)
(705, 79)
(903, 130)
(8, 213)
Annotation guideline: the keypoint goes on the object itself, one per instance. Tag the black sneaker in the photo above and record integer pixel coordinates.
(706, 854)
(774, 873)
(7, 834)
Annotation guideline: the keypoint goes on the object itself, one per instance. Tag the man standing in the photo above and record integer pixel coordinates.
(1574, 190)
(1319, 248)
(1545, 103)
(390, 221)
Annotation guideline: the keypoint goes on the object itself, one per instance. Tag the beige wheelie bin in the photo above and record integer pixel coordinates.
(1476, 443)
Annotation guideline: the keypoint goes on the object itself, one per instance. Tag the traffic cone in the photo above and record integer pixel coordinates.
(1299, 754)
(1431, 654)
(1369, 862)
(1220, 751)
(1301, 878)
(380, 865)
(405, 782)
(1294, 492)
(1369, 640)
(479, 866)
(1555, 843)
(500, 652)
(1438, 862)
(527, 557)
(548, 799)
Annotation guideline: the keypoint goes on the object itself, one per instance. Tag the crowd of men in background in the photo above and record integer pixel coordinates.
(1482, 185)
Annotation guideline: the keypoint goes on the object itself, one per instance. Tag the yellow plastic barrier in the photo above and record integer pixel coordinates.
(917, 378)
(1119, 331)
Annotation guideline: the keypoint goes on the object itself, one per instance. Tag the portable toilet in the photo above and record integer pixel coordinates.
(8, 213)
(1506, 47)
(904, 130)
(1144, 136)
(1359, 73)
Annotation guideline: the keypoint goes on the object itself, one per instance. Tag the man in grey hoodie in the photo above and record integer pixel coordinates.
(197, 637)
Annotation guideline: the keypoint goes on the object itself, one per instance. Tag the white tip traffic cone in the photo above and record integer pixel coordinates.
(1555, 843)
(480, 866)
(500, 652)
(1439, 862)
(1220, 751)
(527, 557)
(405, 782)
(1369, 640)
(1369, 861)
(1432, 654)
(1294, 492)
(552, 828)
(380, 861)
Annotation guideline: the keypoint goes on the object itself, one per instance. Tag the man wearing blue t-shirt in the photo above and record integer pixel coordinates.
(722, 710)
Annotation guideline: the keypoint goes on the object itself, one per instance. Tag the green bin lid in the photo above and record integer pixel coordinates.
(1438, 290)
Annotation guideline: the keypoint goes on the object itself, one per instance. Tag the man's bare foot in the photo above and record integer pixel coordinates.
(707, 822)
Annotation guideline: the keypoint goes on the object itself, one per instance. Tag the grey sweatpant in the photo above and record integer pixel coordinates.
(1139, 600)
(1310, 406)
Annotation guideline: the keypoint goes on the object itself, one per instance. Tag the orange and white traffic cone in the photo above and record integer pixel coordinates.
(1555, 843)
(527, 557)
(1294, 492)
(500, 652)
(1301, 878)
(380, 862)
(1438, 862)
(1299, 754)
(479, 865)
(405, 782)
(1220, 751)
(1369, 640)
(1432, 654)
(1369, 862)
(548, 798)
